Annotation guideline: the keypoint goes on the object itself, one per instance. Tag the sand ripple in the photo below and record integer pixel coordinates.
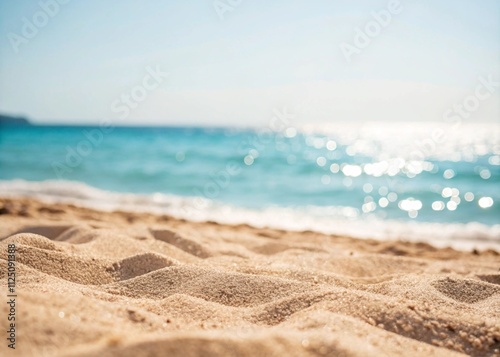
(122, 284)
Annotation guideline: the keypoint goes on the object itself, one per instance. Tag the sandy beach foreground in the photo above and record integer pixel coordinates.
(131, 284)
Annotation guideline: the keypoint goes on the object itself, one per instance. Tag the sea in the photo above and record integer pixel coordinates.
(431, 182)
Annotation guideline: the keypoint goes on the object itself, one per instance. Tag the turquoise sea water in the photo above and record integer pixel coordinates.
(316, 179)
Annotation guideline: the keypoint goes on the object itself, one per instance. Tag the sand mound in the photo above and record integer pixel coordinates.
(467, 291)
(182, 243)
(233, 289)
(141, 264)
(122, 284)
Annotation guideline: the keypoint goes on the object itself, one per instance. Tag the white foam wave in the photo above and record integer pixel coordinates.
(330, 220)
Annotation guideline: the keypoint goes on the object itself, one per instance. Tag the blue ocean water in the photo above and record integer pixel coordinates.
(374, 173)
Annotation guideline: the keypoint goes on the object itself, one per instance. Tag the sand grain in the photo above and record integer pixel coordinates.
(132, 284)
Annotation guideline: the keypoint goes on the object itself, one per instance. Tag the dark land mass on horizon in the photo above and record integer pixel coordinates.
(13, 120)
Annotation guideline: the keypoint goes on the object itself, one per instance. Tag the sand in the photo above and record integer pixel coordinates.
(93, 283)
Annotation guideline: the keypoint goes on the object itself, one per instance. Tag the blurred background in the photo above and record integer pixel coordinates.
(233, 64)
(373, 118)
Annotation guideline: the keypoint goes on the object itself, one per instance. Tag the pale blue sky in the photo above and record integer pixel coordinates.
(263, 55)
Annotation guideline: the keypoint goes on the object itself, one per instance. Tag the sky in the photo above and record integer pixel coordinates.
(235, 62)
